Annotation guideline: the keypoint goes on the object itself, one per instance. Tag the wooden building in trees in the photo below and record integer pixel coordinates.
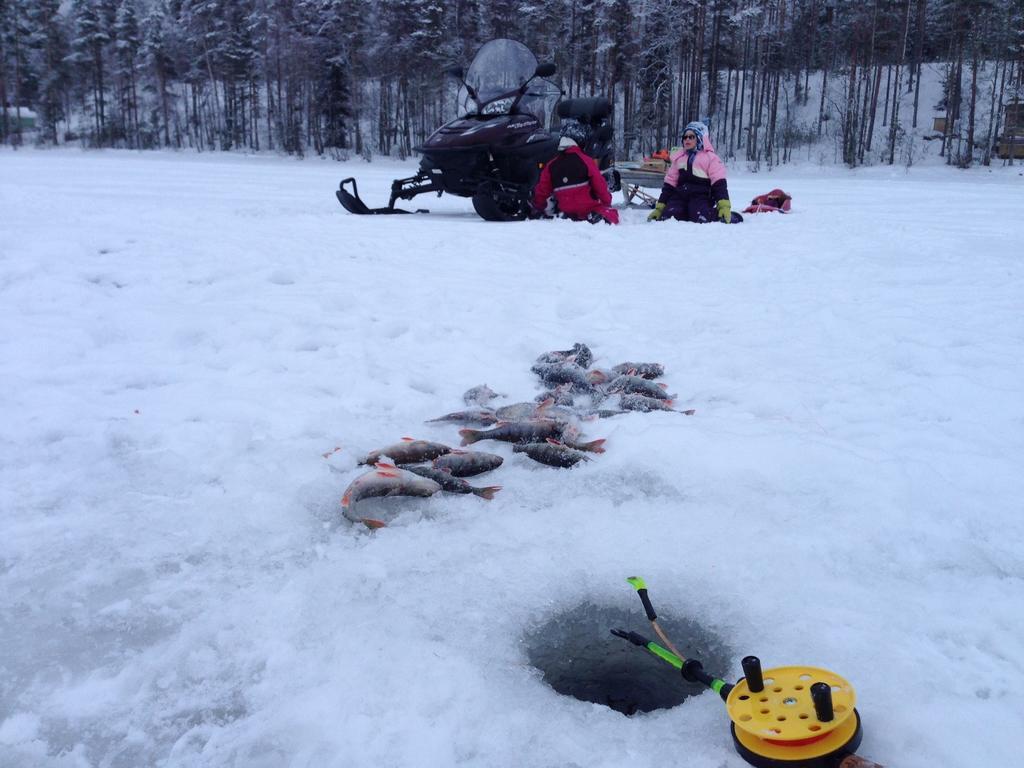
(1011, 143)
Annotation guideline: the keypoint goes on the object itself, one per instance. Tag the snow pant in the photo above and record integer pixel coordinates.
(606, 212)
(689, 204)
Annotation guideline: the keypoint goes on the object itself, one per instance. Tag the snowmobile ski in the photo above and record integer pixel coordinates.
(352, 203)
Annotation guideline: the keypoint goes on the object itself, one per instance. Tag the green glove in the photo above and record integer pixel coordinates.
(725, 211)
(654, 215)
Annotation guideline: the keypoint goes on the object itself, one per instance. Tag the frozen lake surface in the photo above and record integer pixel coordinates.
(185, 337)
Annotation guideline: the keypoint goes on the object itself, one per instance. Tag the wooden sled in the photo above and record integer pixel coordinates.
(635, 177)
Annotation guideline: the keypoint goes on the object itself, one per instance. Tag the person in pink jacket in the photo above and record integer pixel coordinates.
(573, 178)
(695, 187)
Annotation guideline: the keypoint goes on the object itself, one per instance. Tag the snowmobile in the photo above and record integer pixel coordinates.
(494, 151)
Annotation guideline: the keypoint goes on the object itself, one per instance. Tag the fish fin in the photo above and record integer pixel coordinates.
(372, 524)
(385, 465)
(663, 385)
(544, 405)
(468, 436)
(669, 402)
(689, 412)
(393, 472)
(408, 439)
(555, 442)
(488, 492)
(346, 500)
(597, 377)
(594, 446)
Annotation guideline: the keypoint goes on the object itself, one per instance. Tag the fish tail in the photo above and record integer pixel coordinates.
(469, 436)
(488, 492)
(594, 446)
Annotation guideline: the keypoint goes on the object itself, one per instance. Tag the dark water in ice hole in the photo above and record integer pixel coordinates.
(580, 657)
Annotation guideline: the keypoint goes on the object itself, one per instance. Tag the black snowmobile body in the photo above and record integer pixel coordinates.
(494, 151)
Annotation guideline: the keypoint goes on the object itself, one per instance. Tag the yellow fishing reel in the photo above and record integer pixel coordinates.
(784, 717)
(793, 717)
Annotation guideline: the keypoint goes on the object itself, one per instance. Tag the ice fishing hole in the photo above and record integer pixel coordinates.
(579, 657)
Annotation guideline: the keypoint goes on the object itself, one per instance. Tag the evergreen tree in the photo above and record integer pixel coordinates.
(88, 46)
(157, 56)
(50, 46)
(128, 42)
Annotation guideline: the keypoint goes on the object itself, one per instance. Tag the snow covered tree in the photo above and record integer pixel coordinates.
(88, 54)
(50, 51)
(158, 63)
(128, 42)
(18, 79)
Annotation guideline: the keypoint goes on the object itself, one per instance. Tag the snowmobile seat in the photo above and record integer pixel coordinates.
(591, 111)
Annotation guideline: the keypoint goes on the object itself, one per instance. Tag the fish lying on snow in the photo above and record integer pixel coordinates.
(452, 484)
(521, 411)
(384, 480)
(592, 446)
(579, 354)
(479, 395)
(560, 395)
(467, 463)
(645, 370)
(637, 385)
(603, 413)
(528, 431)
(552, 453)
(482, 416)
(578, 378)
(408, 451)
(644, 404)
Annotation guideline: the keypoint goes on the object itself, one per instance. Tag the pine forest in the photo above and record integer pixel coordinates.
(348, 78)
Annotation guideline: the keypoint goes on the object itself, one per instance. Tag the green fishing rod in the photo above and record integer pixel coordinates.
(691, 669)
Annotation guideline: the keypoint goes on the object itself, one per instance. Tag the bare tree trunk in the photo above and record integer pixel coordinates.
(993, 118)
(967, 159)
(915, 68)
(894, 123)
(874, 107)
(850, 118)
(727, 116)
(713, 65)
(888, 89)
(743, 89)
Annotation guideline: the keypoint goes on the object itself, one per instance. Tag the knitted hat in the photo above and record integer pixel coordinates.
(575, 131)
(698, 128)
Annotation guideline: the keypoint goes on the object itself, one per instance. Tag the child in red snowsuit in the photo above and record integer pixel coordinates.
(580, 191)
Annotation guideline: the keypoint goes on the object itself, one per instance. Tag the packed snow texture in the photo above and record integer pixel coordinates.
(185, 337)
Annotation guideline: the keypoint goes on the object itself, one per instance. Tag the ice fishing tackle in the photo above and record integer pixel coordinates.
(783, 717)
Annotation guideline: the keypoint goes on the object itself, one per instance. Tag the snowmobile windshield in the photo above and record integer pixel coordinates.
(499, 69)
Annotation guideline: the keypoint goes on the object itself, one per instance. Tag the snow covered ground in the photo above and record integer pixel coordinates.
(184, 337)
